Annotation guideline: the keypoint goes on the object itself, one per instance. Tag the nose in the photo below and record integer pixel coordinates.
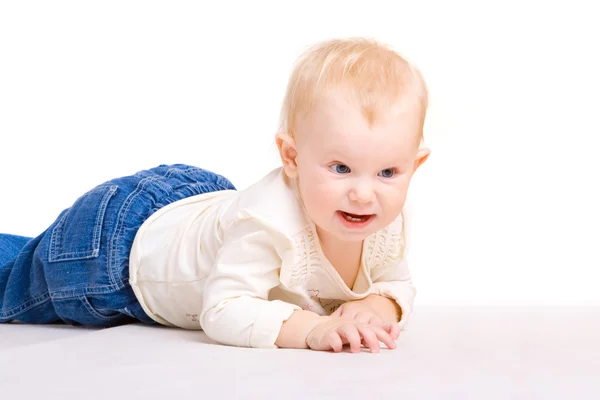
(362, 192)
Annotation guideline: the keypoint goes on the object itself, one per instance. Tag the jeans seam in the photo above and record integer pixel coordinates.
(112, 258)
(54, 236)
(94, 290)
(100, 218)
(36, 301)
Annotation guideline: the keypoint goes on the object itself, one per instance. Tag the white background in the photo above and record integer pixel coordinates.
(504, 212)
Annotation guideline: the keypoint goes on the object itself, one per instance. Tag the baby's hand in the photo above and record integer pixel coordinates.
(334, 333)
(363, 311)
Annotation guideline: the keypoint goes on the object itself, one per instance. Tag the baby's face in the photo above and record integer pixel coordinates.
(352, 177)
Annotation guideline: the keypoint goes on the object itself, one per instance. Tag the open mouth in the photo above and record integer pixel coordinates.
(355, 217)
(355, 221)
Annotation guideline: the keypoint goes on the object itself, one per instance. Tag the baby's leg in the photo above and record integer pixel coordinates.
(67, 273)
(77, 271)
(10, 246)
(22, 287)
(56, 276)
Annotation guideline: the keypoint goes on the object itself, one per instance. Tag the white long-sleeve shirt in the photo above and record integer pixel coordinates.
(238, 263)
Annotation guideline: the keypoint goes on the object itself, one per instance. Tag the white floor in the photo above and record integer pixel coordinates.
(445, 353)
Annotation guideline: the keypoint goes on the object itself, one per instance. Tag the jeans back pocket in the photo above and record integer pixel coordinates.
(77, 233)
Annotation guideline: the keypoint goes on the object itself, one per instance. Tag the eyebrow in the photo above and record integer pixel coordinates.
(338, 156)
(334, 157)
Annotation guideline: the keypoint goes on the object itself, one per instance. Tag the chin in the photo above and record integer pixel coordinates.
(352, 236)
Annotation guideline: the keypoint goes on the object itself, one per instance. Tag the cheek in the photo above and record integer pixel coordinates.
(318, 192)
(394, 198)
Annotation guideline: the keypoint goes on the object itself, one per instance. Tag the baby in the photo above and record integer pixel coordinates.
(310, 256)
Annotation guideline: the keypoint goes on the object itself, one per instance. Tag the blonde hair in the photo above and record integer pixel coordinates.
(377, 76)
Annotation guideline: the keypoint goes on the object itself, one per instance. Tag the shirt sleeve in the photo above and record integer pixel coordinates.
(236, 310)
(395, 282)
(393, 278)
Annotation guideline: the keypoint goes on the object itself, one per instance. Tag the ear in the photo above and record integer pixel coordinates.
(287, 151)
(422, 156)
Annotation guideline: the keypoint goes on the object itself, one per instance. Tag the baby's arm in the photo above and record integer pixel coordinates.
(391, 299)
(305, 329)
(394, 286)
(295, 330)
(385, 307)
(236, 310)
(375, 310)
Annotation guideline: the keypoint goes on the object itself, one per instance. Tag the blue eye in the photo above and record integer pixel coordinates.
(340, 168)
(387, 173)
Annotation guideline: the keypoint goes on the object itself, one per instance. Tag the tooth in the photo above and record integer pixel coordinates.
(354, 219)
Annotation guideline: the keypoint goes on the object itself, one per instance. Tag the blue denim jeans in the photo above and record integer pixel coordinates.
(77, 270)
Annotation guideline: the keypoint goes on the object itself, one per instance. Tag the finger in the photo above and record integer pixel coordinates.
(395, 331)
(352, 337)
(384, 337)
(338, 312)
(369, 338)
(335, 342)
(375, 320)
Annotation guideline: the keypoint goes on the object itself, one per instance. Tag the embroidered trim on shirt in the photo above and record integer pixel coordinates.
(386, 246)
(306, 256)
